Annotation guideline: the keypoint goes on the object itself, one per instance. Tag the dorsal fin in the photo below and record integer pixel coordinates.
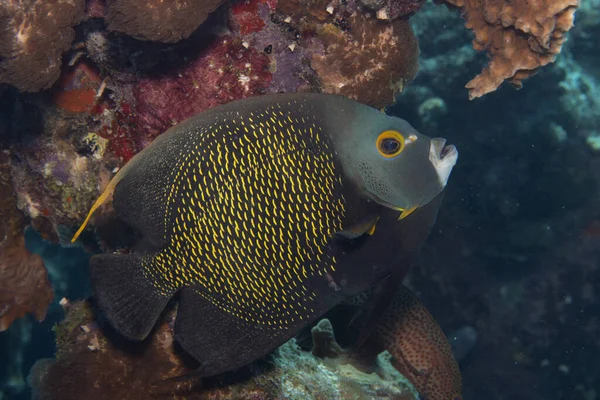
(110, 188)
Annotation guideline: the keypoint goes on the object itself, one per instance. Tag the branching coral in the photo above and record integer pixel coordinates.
(163, 21)
(24, 285)
(33, 37)
(519, 36)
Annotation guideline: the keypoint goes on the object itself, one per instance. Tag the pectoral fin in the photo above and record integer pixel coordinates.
(357, 230)
(406, 212)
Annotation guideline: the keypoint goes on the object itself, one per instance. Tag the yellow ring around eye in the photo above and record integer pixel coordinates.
(387, 136)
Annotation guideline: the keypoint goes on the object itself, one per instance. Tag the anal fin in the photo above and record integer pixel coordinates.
(361, 228)
(218, 340)
(130, 302)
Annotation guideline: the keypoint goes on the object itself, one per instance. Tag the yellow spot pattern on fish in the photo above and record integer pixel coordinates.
(249, 214)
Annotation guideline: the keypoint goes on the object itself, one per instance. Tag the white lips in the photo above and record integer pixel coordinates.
(443, 163)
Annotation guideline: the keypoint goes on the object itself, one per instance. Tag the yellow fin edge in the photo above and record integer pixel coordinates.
(407, 212)
(107, 192)
(371, 230)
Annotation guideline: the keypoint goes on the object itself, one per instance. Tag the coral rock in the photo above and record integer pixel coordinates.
(24, 284)
(33, 37)
(162, 21)
(520, 36)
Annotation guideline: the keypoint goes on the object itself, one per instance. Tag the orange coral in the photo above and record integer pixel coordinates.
(419, 348)
(76, 89)
(24, 285)
(520, 36)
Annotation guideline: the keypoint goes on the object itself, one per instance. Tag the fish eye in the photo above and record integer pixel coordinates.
(390, 144)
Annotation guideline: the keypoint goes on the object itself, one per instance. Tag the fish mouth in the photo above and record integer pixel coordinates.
(441, 150)
(443, 157)
(448, 150)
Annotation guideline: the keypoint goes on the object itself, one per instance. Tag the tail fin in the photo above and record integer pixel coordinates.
(130, 302)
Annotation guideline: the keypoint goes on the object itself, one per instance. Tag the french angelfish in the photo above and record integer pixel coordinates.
(262, 214)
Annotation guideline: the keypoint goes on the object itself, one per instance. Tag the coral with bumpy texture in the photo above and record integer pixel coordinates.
(369, 64)
(24, 284)
(33, 37)
(419, 348)
(353, 53)
(163, 21)
(224, 72)
(520, 37)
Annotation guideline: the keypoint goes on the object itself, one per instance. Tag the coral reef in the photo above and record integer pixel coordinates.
(28, 340)
(163, 21)
(92, 365)
(33, 37)
(24, 284)
(519, 36)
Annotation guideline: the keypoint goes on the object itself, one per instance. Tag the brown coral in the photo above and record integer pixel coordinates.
(371, 62)
(520, 36)
(33, 37)
(162, 21)
(24, 285)
(362, 57)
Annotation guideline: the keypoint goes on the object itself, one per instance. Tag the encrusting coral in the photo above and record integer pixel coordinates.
(163, 21)
(24, 284)
(519, 36)
(419, 348)
(33, 37)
